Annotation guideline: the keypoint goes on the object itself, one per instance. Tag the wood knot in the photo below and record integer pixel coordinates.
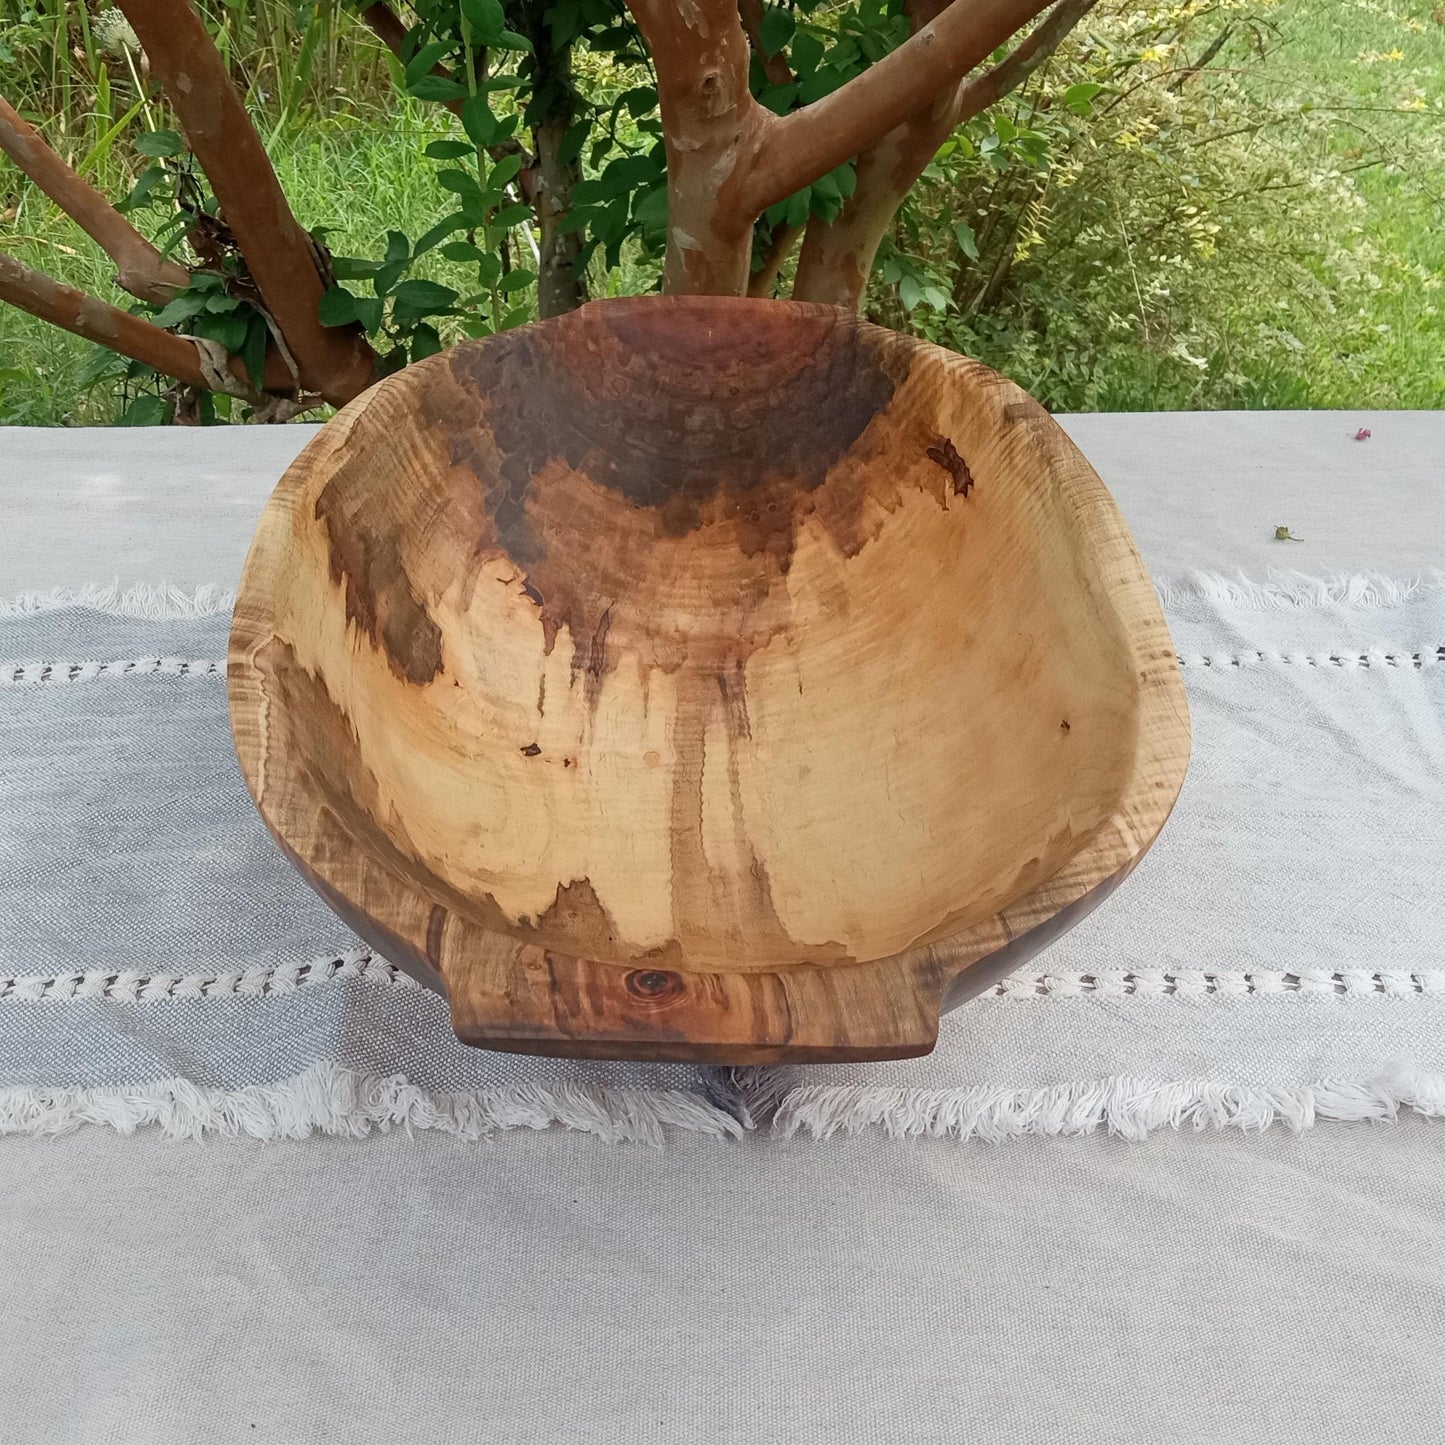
(946, 455)
(655, 985)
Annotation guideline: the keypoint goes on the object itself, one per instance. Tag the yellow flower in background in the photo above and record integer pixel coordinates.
(1370, 57)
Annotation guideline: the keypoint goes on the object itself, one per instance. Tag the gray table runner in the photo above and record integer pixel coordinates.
(161, 964)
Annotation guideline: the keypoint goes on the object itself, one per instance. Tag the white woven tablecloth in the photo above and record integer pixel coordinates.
(1194, 1287)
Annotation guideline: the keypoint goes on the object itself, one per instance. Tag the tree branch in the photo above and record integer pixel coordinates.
(838, 255)
(763, 281)
(337, 362)
(197, 363)
(140, 268)
(775, 67)
(794, 150)
(1011, 72)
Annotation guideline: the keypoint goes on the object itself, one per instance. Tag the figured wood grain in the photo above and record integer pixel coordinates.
(703, 678)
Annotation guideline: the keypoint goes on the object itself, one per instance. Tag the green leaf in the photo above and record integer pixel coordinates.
(587, 193)
(776, 31)
(807, 53)
(478, 121)
(425, 297)
(910, 292)
(438, 233)
(825, 189)
(627, 173)
(462, 251)
(487, 19)
(424, 342)
(386, 276)
(100, 365)
(140, 193)
(571, 146)
(421, 63)
(352, 268)
(778, 98)
(798, 206)
(459, 183)
(368, 312)
(650, 212)
(823, 81)
(476, 210)
(517, 280)
(180, 308)
(337, 307)
(147, 411)
(510, 216)
(504, 171)
(160, 143)
(447, 150)
(229, 330)
(639, 101)
(398, 247)
(436, 87)
(967, 241)
(253, 353)
(1079, 98)
(510, 40)
(577, 219)
(517, 316)
(219, 301)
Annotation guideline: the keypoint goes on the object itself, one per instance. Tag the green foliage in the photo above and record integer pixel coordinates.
(1123, 232)
(1127, 232)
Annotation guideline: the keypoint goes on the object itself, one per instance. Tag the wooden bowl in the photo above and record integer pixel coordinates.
(690, 678)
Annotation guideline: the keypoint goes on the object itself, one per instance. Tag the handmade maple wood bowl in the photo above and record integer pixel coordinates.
(703, 679)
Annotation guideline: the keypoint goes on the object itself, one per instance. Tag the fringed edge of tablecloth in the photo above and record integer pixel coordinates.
(1290, 591)
(330, 1099)
(1131, 1108)
(151, 601)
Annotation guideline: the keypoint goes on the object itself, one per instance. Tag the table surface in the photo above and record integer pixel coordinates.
(1202, 489)
(1210, 1287)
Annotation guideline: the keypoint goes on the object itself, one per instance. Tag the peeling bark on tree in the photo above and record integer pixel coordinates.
(712, 127)
(337, 362)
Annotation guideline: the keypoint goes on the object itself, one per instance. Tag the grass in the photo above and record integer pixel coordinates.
(1376, 61)
(1374, 338)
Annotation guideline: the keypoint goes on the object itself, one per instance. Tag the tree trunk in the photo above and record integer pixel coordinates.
(713, 128)
(837, 256)
(559, 286)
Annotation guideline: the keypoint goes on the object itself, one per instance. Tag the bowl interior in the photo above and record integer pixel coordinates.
(708, 634)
